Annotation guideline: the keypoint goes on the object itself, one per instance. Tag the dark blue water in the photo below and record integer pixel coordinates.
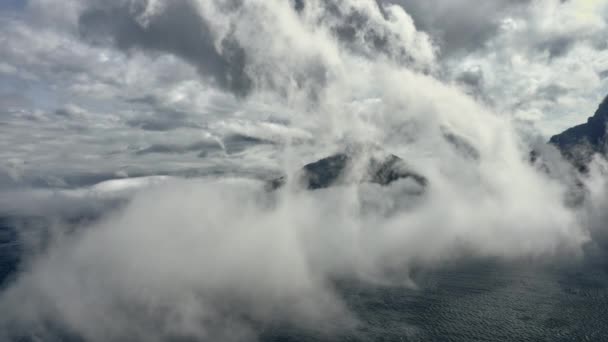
(10, 251)
(472, 301)
(480, 302)
(489, 303)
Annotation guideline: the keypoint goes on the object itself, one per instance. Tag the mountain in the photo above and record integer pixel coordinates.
(578, 144)
(338, 169)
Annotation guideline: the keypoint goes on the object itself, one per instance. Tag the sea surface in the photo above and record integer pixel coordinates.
(466, 301)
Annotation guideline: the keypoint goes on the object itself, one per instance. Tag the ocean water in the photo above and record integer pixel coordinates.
(480, 302)
(469, 301)
(10, 251)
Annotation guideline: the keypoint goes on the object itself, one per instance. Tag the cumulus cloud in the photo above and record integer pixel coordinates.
(515, 68)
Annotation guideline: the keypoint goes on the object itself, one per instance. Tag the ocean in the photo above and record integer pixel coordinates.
(481, 300)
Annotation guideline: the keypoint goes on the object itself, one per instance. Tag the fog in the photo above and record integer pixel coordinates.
(216, 258)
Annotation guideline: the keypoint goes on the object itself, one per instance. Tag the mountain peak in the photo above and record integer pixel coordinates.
(332, 170)
(579, 143)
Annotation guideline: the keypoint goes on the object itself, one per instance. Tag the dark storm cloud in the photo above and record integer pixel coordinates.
(178, 30)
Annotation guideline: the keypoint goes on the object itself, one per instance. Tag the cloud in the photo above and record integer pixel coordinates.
(162, 120)
(185, 255)
(223, 52)
(140, 87)
(151, 84)
(458, 30)
(177, 29)
(195, 147)
(516, 66)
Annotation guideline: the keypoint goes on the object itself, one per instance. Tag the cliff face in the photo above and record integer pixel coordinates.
(579, 143)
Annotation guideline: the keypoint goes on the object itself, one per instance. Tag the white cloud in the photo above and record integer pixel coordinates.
(543, 64)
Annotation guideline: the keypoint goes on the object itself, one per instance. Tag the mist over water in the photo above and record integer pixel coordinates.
(221, 258)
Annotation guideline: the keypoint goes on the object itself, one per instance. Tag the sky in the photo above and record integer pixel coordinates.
(161, 119)
(94, 87)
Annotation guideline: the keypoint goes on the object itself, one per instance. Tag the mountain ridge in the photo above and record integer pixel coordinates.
(578, 144)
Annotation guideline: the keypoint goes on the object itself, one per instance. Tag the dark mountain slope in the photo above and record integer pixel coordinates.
(579, 143)
(336, 169)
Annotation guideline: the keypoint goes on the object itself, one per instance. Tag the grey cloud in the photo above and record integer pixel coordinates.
(298, 5)
(551, 92)
(178, 30)
(235, 143)
(473, 78)
(355, 28)
(231, 144)
(161, 117)
(161, 123)
(180, 149)
(461, 145)
(63, 112)
(13, 101)
(460, 26)
(473, 82)
(13, 5)
(149, 100)
(557, 46)
(71, 111)
(540, 61)
(181, 30)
